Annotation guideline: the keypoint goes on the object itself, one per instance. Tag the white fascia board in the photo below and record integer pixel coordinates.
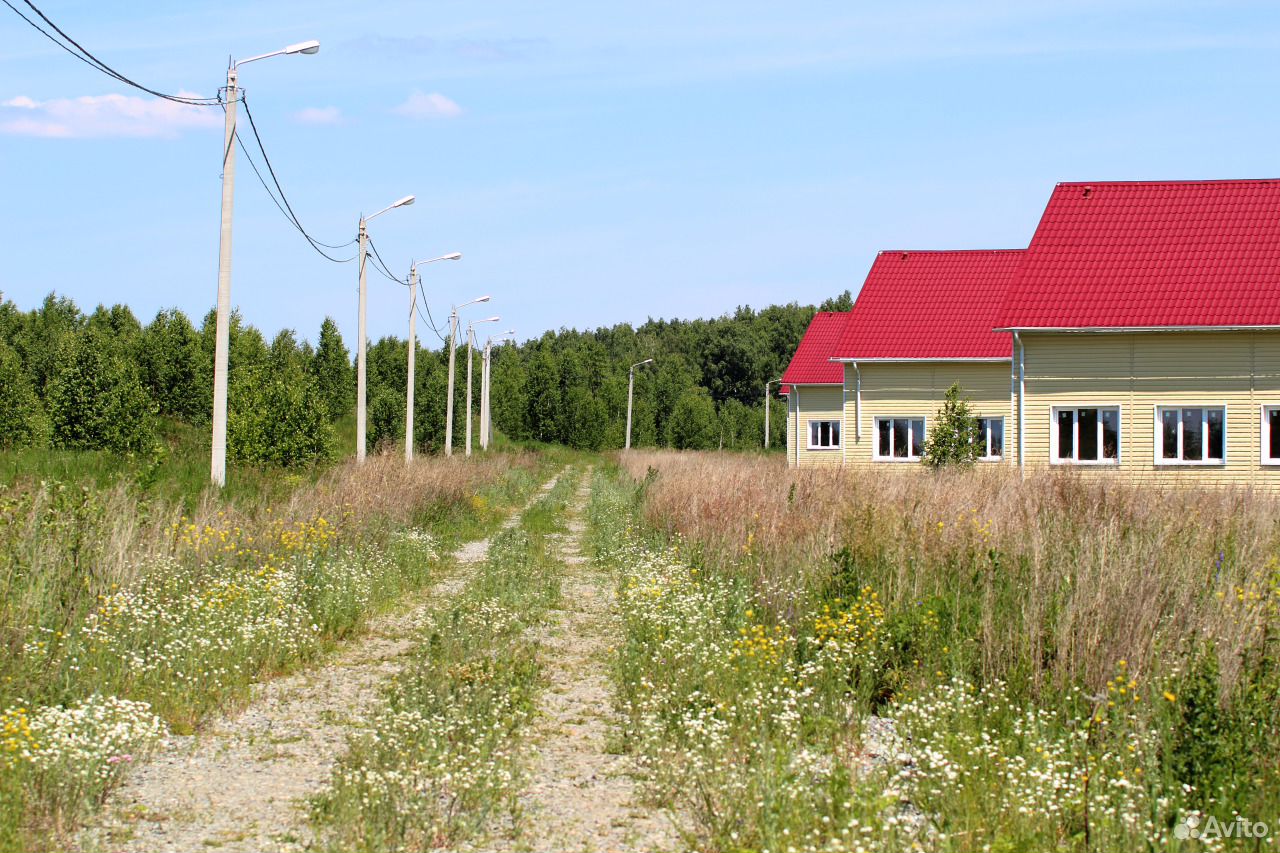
(1102, 330)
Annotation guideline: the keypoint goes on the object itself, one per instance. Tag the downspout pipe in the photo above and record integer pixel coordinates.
(857, 402)
(1022, 394)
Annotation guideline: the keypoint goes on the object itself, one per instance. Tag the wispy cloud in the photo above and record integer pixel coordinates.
(103, 115)
(318, 115)
(426, 106)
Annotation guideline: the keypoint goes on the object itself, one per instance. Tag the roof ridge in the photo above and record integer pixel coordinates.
(948, 251)
(1170, 182)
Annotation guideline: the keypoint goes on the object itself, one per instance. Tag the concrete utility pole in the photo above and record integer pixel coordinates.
(413, 347)
(484, 394)
(486, 383)
(766, 410)
(631, 386)
(471, 336)
(361, 368)
(448, 406)
(453, 339)
(471, 339)
(222, 328)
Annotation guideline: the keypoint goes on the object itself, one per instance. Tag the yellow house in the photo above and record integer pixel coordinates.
(814, 388)
(922, 322)
(1145, 319)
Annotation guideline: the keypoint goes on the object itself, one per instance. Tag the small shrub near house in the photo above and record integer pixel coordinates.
(954, 437)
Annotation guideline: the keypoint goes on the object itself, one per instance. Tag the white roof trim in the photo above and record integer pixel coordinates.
(1112, 329)
(992, 360)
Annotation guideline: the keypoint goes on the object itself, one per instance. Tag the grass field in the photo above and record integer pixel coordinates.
(1064, 664)
(798, 660)
(133, 604)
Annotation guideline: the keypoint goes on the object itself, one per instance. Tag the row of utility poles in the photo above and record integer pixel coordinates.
(631, 385)
(218, 464)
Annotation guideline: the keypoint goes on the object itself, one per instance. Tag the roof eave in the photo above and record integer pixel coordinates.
(977, 359)
(1120, 329)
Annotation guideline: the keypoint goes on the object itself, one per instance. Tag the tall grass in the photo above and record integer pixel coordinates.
(1066, 660)
(113, 595)
(1057, 577)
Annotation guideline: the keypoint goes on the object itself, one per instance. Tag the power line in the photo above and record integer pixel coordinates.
(425, 304)
(281, 207)
(381, 265)
(293, 217)
(93, 62)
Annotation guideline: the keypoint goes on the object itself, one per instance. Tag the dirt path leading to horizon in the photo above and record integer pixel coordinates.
(242, 784)
(581, 796)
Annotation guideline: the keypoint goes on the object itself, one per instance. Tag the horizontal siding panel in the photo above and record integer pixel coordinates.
(1138, 373)
(818, 403)
(918, 390)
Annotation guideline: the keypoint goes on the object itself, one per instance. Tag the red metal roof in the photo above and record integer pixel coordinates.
(1151, 253)
(811, 365)
(931, 305)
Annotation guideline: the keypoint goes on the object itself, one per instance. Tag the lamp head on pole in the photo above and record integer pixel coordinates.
(307, 47)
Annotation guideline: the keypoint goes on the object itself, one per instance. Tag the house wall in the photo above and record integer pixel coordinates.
(917, 389)
(812, 402)
(1138, 372)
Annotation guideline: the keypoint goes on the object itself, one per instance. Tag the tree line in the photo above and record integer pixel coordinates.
(106, 381)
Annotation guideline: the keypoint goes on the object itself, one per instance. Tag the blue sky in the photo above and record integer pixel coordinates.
(598, 162)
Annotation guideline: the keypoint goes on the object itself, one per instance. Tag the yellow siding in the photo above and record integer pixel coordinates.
(812, 402)
(1138, 372)
(917, 390)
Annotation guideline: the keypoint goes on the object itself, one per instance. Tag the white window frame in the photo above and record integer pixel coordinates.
(1265, 434)
(1157, 448)
(986, 439)
(838, 431)
(1075, 443)
(910, 419)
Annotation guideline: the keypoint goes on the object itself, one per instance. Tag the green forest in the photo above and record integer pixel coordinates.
(107, 381)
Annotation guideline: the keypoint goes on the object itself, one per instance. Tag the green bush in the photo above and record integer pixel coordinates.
(953, 438)
(22, 421)
(693, 424)
(96, 401)
(277, 419)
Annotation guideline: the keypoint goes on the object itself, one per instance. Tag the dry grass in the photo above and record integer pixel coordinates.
(1068, 574)
(64, 545)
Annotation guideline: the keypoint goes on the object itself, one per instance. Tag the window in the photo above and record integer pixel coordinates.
(1191, 435)
(824, 435)
(1087, 435)
(991, 439)
(1271, 435)
(899, 438)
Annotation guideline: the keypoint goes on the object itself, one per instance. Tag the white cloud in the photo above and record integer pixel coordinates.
(318, 115)
(433, 105)
(103, 115)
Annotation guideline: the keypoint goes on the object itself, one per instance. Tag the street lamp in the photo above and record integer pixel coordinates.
(631, 385)
(218, 463)
(486, 365)
(413, 310)
(766, 409)
(360, 352)
(471, 339)
(453, 345)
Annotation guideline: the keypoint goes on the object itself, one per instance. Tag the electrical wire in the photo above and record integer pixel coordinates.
(80, 53)
(432, 322)
(381, 265)
(293, 217)
(436, 331)
(93, 62)
(281, 207)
